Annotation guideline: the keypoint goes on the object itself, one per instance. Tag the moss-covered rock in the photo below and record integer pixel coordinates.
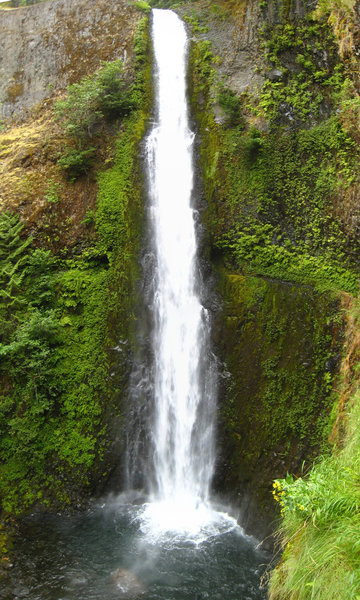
(282, 248)
(67, 311)
(281, 345)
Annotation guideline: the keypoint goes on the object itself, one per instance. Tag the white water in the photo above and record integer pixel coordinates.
(184, 390)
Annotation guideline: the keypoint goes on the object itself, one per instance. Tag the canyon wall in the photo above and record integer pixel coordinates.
(49, 45)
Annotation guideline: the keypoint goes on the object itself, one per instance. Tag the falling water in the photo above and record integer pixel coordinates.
(176, 545)
(183, 381)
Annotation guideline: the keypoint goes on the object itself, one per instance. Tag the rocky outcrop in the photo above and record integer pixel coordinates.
(233, 33)
(46, 46)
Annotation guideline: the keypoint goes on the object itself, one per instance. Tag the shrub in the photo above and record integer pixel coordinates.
(104, 95)
(76, 162)
(230, 104)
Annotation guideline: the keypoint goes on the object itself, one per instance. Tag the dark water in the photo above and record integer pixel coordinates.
(75, 558)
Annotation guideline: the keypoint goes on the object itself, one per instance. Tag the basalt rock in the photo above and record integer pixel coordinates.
(47, 46)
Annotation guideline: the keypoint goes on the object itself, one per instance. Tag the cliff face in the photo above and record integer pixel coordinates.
(274, 95)
(75, 228)
(47, 46)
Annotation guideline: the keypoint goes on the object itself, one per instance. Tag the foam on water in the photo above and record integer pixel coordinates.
(169, 521)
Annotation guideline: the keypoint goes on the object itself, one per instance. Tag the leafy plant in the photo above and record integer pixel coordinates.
(319, 531)
(13, 258)
(52, 192)
(76, 162)
(104, 95)
(99, 98)
(230, 104)
(141, 5)
(89, 218)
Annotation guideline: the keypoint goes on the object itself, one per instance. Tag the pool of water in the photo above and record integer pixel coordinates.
(111, 552)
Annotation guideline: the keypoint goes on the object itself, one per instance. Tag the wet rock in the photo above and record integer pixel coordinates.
(127, 584)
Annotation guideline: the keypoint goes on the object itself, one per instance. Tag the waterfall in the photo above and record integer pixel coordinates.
(184, 381)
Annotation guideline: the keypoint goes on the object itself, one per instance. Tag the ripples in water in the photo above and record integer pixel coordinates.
(111, 553)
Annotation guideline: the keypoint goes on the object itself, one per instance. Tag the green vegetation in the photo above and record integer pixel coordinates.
(230, 104)
(96, 100)
(278, 340)
(280, 170)
(141, 5)
(60, 317)
(274, 196)
(13, 256)
(301, 81)
(320, 526)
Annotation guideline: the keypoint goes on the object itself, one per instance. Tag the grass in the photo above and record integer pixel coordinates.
(321, 524)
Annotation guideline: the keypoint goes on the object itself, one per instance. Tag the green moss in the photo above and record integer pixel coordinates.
(278, 346)
(306, 80)
(273, 196)
(62, 384)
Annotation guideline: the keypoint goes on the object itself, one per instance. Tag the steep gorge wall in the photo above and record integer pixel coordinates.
(272, 220)
(47, 46)
(67, 317)
(271, 95)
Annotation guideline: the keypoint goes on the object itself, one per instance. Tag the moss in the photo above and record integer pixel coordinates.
(14, 91)
(273, 196)
(280, 347)
(301, 80)
(282, 254)
(67, 341)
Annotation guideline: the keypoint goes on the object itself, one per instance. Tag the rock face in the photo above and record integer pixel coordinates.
(46, 46)
(234, 40)
(280, 345)
(278, 338)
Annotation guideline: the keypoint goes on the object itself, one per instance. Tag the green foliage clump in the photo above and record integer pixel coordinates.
(53, 191)
(320, 526)
(253, 249)
(13, 257)
(203, 71)
(193, 20)
(99, 98)
(230, 104)
(104, 95)
(141, 5)
(307, 81)
(301, 81)
(77, 162)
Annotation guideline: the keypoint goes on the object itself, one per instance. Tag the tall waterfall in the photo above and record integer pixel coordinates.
(184, 388)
